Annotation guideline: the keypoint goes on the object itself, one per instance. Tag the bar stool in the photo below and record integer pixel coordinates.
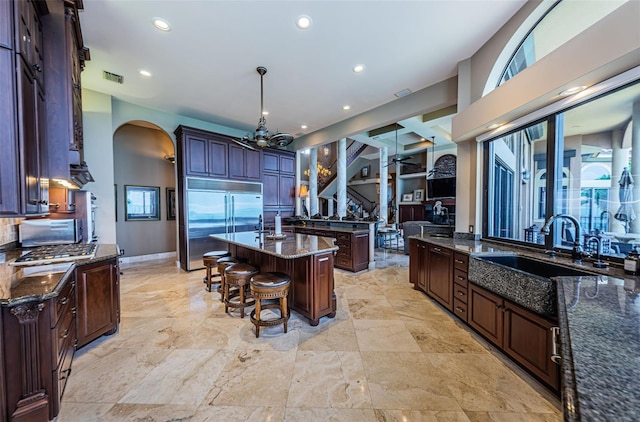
(223, 264)
(210, 259)
(269, 287)
(238, 275)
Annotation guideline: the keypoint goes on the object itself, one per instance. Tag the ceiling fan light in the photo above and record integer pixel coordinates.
(262, 142)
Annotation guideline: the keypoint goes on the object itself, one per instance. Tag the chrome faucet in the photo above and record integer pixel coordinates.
(577, 253)
(597, 263)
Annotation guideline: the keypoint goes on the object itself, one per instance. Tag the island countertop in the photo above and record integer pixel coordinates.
(293, 245)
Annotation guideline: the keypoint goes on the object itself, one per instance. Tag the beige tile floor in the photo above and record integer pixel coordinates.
(389, 355)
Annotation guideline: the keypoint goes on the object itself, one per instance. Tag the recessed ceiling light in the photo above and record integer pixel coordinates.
(359, 68)
(303, 22)
(494, 126)
(303, 127)
(346, 107)
(403, 93)
(161, 24)
(144, 73)
(265, 113)
(573, 90)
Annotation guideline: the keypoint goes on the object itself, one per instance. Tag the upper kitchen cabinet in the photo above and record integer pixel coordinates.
(244, 164)
(204, 154)
(279, 184)
(65, 56)
(6, 24)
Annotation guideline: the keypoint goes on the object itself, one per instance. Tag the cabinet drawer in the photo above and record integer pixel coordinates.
(342, 262)
(460, 292)
(64, 332)
(460, 277)
(64, 301)
(61, 374)
(460, 309)
(461, 261)
(343, 245)
(343, 236)
(344, 253)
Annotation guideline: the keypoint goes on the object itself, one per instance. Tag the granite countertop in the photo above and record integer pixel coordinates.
(294, 245)
(41, 282)
(599, 319)
(336, 229)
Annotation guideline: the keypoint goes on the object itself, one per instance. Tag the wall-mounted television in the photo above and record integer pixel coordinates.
(441, 188)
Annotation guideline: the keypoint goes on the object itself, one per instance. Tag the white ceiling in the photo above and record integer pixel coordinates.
(205, 67)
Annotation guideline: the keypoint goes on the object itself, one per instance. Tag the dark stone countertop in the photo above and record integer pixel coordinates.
(41, 282)
(294, 245)
(599, 319)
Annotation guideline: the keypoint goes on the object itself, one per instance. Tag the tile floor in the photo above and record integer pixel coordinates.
(389, 355)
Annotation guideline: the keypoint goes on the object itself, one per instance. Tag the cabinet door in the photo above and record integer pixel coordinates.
(528, 339)
(440, 275)
(9, 170)
(324, 301)
(196, 156)
(236, 162)
(217, 151)
(287, 190)
(485, 313)
(287, 164)
(270, 190)
(360, 251)
(271, 161)
(98, 291)
(27, 121)
(6, 24)
(253, 165)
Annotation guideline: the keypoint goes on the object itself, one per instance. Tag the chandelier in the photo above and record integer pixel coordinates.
(261, 136)
(321, 171)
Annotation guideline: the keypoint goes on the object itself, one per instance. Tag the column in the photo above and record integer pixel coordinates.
(635, 165)
(313, 182)
(384, 177)
(619, 160)
(341, 180)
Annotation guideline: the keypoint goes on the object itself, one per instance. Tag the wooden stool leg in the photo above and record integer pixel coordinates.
(225, 296)
(242, 300)
(222, 284)
(208, 277)
(284, 311)
(257, 311)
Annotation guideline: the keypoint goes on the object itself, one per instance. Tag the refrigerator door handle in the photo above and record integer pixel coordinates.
(233, 213)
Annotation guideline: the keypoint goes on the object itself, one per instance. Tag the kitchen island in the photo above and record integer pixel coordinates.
(307, 259)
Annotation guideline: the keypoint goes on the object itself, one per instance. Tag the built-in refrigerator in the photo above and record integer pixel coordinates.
(215, 207)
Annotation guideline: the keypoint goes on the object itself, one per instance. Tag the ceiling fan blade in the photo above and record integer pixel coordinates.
(244, 143)
(280, 140)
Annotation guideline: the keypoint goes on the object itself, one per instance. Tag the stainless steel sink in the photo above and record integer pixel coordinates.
(533, 266)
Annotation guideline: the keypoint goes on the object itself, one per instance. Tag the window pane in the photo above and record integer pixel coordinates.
(598, 144)
(517, 185)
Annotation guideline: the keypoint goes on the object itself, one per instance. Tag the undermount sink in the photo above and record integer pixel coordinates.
(533, 266)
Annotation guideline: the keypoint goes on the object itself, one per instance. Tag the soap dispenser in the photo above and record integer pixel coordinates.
(632, 262)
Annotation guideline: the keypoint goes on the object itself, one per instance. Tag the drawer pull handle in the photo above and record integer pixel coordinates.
(63, 301)
(460, 278)
(459, 261)
(437, 249)
(459, 310)
(323, 259)
(459, 293)
(65, 334)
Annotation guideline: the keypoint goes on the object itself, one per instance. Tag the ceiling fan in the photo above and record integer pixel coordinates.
(261, 135)
(402, 160)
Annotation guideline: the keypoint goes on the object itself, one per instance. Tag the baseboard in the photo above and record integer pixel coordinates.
(151, 257)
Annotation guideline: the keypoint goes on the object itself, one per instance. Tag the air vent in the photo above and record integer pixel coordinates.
(112, 77)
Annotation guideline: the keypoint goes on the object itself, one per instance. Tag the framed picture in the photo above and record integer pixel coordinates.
(171, 203)
(407, 197)
(418, 195)
(364, 172)
(141, 203)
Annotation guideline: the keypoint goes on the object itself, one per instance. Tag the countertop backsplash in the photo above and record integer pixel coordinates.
(9, 231)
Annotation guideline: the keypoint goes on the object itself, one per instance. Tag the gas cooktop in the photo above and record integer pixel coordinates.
(56, 253)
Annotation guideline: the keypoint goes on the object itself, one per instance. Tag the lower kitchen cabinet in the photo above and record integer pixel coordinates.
(440, 275)
(419, 261)
(523, 335)
(98, 296)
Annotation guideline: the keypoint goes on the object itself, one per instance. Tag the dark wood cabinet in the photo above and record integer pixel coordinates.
(244, 164)
(353, 252)
(440, 275)
(206, 157)
(98, 293)
(460, 285)
(279, 184)
(39, 344)
(410, 212)
(418, 264)
(6, 24)
(523, 335)
(10, 180)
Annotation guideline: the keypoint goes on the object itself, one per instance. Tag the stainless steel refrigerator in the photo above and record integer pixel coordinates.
(218, 206)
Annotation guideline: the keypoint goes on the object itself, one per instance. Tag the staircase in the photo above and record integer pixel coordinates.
(354, 149)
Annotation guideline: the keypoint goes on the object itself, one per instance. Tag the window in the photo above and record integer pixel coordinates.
(590, 148)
